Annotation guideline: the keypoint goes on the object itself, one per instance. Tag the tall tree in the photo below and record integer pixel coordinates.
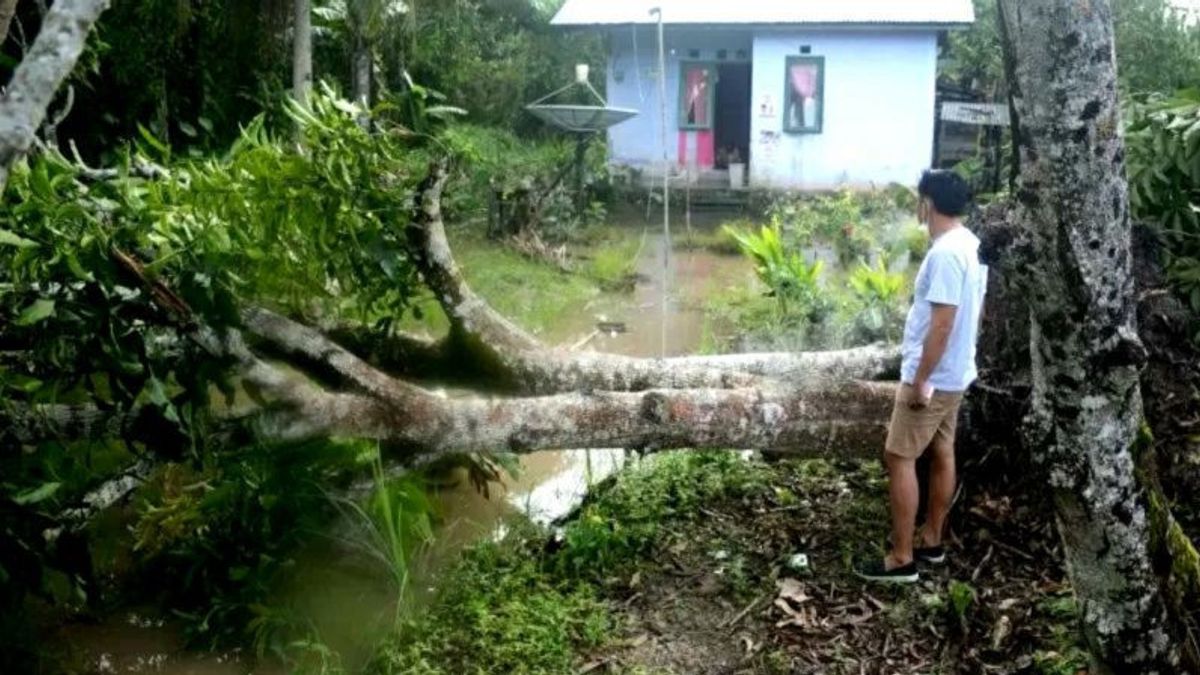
(1087, 407)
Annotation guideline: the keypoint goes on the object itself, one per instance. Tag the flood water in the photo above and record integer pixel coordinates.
(350, 605)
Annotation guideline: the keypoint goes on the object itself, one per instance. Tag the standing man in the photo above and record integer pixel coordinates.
(938, 365)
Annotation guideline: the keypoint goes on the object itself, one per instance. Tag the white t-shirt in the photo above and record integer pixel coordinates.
(951, 274)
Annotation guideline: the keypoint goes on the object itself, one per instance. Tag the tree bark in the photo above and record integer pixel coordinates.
(1086, 409)
(50, 60)
(8, 9)
(302, 57)
(362, 61)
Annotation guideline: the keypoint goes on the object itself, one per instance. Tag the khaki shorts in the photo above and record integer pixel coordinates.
(912, 431)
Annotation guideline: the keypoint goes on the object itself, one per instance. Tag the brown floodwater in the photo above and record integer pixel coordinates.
(351, 605)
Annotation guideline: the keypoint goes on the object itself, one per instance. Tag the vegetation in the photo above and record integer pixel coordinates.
(1163, 139)
(870, 242)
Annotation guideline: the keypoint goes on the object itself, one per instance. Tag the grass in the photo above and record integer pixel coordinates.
(533, 294)
(612, 261)
(500, 611)
(716, 240)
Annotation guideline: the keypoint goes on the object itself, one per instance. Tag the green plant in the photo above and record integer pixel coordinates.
(614, 265)
(392, 525)
(879, 293)
(499, 611)
(1163, 145)
(914, 242)
(225, 534)
(624, 522)
(962, 596)
(793, 282)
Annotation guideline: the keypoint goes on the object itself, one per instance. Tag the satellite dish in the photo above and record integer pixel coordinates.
(579, 119)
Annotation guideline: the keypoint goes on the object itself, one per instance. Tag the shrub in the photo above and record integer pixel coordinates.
(879, 293)
(793, 282)
(1163, 146)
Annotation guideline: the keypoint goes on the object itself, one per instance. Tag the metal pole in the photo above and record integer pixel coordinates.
(662, 104)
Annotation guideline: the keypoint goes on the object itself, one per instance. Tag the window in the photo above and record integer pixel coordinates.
(696, 96)
(804, 95)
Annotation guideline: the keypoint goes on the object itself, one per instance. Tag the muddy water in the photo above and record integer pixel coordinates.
(349, 605)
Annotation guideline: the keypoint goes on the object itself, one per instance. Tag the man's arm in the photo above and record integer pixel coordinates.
(941, 323)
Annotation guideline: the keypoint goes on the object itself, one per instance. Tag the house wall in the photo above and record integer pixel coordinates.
(878, 120)
(879, 102)
(633, 83)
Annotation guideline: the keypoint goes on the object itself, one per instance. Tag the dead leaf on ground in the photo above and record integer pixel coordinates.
(792, 590)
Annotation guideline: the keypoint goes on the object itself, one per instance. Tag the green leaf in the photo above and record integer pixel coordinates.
(153, 142)
(37, 312)
(38, 494)
(188, 129)
(8, 238)
(24, 383)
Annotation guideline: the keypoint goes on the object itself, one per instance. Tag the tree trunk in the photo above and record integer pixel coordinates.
(302, 57)
(1087, 409)
(362, 60)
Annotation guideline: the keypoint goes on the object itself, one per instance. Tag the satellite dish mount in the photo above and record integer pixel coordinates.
(584, 121)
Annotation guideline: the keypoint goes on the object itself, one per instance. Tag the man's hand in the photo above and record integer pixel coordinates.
(922, 394)
(941, 323)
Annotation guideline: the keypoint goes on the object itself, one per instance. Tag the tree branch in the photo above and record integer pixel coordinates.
(537, 368)
(8, 9)
(58, 45)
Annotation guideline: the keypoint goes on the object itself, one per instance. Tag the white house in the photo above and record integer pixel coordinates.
(812, 94)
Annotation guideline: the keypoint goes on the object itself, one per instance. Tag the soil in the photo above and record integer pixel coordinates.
(721, 598)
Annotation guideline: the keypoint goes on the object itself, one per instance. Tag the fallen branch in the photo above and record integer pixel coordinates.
(50, 60)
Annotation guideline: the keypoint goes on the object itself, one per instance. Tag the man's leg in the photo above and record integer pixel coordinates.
(942, 481)
(902, 487)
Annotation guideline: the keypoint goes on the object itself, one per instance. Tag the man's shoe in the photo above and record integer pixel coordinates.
(877, 571)
(931, 555)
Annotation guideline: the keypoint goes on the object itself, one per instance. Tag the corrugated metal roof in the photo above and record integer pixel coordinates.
(693, 12)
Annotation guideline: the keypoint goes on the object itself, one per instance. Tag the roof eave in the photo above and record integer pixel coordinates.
(928, 25)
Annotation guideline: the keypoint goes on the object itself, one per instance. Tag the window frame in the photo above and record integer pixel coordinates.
(681, 118)
(819, 61)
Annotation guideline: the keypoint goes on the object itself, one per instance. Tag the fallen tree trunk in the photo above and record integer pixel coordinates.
(842, 418)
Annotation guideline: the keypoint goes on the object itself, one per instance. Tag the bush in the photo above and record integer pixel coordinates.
(793, 282)
(879, 294)
(1163, 146)
(499, 612)
(495, 164)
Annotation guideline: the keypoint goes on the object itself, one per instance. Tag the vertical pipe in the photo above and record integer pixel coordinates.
(662, 103)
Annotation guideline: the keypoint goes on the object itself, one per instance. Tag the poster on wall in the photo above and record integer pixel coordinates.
(766, 108)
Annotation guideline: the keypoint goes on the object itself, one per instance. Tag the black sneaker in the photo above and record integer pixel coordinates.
(877, 571)
(931, 555)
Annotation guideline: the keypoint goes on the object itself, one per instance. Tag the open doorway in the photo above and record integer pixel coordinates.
(732, 114)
